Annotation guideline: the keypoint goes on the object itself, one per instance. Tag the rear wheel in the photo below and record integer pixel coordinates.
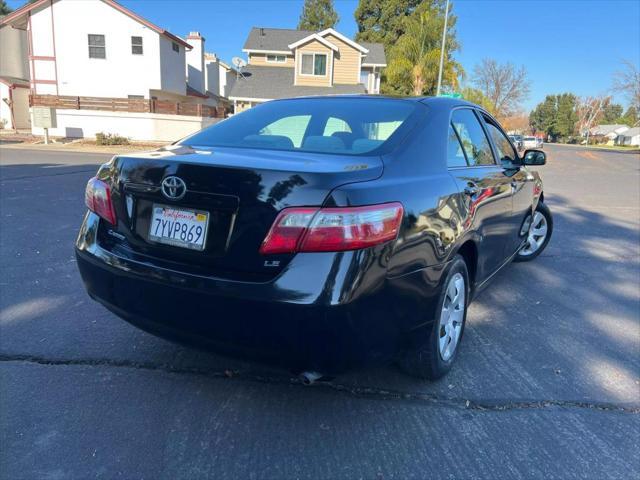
(538, 229)
(434, 359)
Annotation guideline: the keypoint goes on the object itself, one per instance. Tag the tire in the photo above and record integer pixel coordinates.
(542, 216)
(428, 361)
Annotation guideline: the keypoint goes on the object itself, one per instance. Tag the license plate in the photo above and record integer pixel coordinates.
(179, 227)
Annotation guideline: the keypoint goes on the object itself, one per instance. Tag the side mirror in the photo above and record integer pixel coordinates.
(534, 157)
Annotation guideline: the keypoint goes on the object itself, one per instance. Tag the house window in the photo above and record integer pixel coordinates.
(97, 47)
(175, 46)
(136, 45)
(314, 64)
(276, 58)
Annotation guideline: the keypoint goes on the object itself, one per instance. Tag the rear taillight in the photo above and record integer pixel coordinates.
(332, 229)
(97, 197)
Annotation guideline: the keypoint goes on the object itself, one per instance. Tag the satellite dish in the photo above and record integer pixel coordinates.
(238, 62)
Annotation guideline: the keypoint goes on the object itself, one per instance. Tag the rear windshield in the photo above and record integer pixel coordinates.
(349, 126)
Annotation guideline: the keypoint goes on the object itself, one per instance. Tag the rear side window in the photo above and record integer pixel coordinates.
(348, 126)
(505, 150)
(455, 154)
(474, 141)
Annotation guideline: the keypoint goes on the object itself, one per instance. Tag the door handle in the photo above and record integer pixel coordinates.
(471, 189)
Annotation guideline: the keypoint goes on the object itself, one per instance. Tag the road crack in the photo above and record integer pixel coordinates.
(373, 393)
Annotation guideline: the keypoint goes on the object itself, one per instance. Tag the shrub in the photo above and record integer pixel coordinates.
(110, 139)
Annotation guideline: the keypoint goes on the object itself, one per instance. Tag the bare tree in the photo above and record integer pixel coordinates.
(589, 110)
(627, 82)
(506, 86)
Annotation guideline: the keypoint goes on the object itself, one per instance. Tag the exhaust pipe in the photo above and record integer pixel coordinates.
(309, 378)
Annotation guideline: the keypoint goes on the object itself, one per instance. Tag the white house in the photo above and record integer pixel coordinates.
(219, 77)
(610, 132)
(629, 137)
(128, 75)
(14, 79)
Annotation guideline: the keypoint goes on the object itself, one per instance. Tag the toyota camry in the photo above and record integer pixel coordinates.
(320, 234)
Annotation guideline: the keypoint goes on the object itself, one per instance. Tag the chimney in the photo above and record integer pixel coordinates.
(195, 62)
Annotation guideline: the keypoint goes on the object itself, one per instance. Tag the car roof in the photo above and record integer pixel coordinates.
(434, 102)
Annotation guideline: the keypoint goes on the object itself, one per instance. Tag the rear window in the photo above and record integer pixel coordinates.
(349, 126)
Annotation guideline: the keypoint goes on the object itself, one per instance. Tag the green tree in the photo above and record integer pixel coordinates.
(383, 21)
(4, 8)
(556, 115)
(542, 118)
(630, 117)
(317, 15)
(566, 116)
(415, 57)
(612, 113)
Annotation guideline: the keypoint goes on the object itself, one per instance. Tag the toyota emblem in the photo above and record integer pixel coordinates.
(174, 188)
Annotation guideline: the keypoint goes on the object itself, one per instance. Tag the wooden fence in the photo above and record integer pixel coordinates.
(135, 105)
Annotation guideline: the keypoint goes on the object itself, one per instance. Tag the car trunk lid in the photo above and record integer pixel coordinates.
(242, 190)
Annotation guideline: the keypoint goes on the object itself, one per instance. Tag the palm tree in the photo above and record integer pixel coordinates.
(413, 68)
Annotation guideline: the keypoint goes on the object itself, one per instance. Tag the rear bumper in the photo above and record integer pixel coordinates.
(328, 312)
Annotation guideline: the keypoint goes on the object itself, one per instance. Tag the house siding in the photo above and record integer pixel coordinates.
(172, 66)
(261, 60)
(58, 35)
(346, 64)
(40, 26)
(314, 81)
(80, 75)
(13, 54)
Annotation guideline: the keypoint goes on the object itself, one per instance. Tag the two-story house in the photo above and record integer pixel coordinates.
(104, 54)
(291, 63)
(99, 48)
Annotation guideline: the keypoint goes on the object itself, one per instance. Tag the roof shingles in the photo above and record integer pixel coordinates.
(266, 83)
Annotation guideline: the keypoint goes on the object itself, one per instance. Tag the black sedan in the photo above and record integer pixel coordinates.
(320, 234)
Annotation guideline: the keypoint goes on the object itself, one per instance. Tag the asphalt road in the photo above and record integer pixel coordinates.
(547, 384)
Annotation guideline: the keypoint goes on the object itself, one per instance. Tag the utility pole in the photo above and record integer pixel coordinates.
(444, 38)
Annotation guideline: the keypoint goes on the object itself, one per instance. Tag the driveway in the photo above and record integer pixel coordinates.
(547, 384)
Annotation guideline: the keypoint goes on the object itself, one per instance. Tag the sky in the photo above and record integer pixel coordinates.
(566, 45)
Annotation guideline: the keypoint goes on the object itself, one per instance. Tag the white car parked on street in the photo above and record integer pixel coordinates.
(529, 143)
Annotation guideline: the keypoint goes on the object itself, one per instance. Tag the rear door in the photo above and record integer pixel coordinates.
(521, 182)
(486, 189)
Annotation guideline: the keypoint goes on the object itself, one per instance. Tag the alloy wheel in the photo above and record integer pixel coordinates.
(536, 235)
(452, 316)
